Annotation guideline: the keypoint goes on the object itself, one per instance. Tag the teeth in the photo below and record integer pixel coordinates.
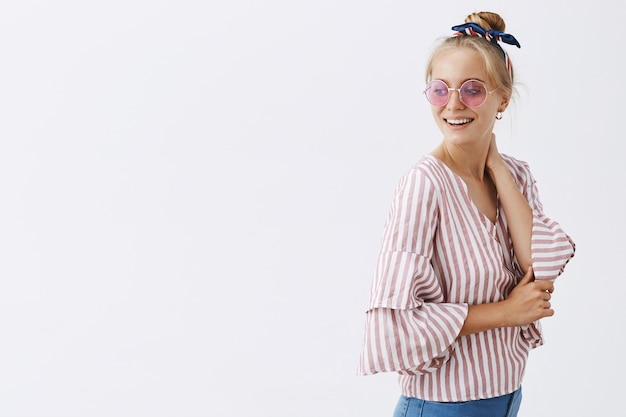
(459, 121)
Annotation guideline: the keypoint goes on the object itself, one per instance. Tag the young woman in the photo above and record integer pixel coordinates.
(468, 257)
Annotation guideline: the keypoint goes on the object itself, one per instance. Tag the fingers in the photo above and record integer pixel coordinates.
(530, 299)
(545, 286)
(541, 284)
(529, 276)
(547, 306)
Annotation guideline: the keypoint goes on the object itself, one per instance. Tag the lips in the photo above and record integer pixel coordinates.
(458, 122)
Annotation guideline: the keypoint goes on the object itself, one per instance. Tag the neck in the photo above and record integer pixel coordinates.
(467, 163)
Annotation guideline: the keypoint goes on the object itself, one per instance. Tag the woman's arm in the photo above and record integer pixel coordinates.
(516, 208)
(529, 301)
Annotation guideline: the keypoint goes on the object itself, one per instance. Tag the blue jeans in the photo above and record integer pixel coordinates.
(503, 406)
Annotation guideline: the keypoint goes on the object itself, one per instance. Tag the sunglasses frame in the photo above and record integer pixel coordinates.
(458, 90)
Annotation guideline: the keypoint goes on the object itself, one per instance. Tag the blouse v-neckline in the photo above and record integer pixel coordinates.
(457, 178)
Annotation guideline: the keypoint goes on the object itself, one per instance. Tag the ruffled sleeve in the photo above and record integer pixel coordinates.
(551, 247)
(409, 328)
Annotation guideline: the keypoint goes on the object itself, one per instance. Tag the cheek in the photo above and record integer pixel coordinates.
(490, 109)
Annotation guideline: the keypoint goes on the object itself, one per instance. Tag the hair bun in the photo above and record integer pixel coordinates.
(488, 20)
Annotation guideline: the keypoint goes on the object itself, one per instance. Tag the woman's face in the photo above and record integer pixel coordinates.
(459, 123)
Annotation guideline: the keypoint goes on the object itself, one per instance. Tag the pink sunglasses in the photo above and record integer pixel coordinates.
(473, 93)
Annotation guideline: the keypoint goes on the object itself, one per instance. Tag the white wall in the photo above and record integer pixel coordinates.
(193, 194)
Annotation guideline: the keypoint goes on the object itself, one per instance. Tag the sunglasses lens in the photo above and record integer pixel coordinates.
(473, 93)
(437, 93)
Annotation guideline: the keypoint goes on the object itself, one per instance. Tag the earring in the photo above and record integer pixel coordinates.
(499, 116)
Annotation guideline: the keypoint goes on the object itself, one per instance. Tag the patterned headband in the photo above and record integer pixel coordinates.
(493, 36)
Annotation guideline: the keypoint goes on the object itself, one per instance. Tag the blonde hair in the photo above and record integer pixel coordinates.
(495, 63)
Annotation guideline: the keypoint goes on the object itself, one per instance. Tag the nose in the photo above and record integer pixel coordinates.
(454, 101)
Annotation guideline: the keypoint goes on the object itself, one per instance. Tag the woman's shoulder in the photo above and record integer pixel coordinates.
(428, 166)
(514, 162)
(519, 167)
(427, 173)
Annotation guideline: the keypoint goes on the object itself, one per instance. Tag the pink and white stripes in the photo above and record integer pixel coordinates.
(440, 254)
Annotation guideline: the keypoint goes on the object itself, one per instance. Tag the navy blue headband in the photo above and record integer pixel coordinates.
(493, 36)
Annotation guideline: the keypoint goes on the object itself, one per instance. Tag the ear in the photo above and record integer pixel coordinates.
(504, 103)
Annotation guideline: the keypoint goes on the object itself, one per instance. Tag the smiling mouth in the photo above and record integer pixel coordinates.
(458, 122)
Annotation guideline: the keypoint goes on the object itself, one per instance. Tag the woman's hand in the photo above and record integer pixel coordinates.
(529, 301)
(493, 156)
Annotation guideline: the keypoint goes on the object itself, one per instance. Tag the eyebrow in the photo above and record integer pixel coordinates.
(464, 81)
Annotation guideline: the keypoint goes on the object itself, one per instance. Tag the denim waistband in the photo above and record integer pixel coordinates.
(503, 406)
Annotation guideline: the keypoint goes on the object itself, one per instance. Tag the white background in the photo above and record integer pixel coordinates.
(193, 194)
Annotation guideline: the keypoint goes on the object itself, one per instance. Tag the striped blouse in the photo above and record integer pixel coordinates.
(439, 255)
